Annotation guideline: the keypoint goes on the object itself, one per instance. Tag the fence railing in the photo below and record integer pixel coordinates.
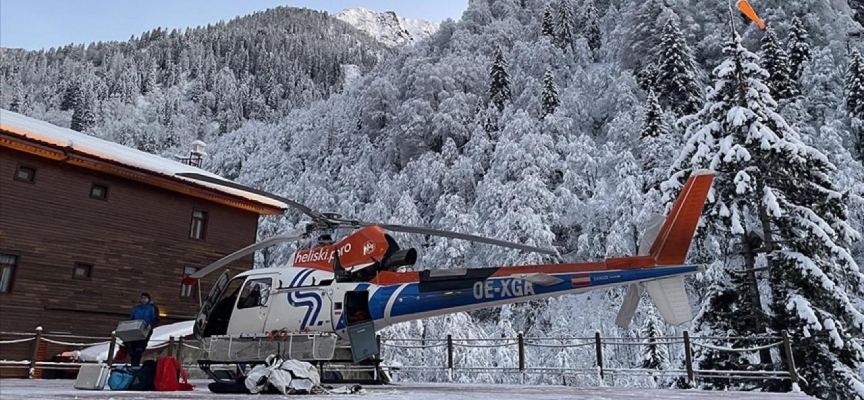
(35, 365)
(449, 345)
(600, 369)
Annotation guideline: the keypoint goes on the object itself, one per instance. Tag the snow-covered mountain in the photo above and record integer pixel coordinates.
(389, 28)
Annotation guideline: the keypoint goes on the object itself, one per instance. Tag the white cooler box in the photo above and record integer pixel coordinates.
(132, 331)
(92, 377)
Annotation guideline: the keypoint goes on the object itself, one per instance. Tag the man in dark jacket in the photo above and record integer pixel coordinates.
(147, 312)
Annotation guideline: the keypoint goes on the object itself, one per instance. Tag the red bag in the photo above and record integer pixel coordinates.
(121, 354)
(170, 375)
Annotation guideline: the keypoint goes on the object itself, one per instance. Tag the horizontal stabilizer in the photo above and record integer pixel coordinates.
(628, 307)
(669, 296)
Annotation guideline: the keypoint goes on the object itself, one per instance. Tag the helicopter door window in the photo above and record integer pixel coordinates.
(255, 293)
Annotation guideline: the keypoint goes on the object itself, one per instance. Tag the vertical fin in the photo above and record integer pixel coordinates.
(673, 242)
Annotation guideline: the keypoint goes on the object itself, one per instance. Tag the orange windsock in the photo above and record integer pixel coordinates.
(745, 8)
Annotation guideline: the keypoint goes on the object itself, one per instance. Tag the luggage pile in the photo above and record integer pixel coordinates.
(164, 375)
(278, 376)
(286, 376)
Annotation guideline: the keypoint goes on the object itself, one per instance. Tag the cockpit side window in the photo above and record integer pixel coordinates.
(255, 293)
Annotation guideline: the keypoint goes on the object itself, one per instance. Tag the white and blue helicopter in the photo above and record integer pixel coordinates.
(354, 287)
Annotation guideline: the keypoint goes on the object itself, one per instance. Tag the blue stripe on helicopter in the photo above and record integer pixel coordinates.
(297, 277)
(311, 300)
(412, 301)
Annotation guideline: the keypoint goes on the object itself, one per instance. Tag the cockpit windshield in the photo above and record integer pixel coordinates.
(217, 321)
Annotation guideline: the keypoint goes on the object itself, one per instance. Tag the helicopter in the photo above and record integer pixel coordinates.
(358, 285)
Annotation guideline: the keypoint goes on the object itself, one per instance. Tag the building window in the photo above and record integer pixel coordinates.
(8, 263)
(82, 271)
(98, 191)
(199, 224)
(25, 174)
(188, 290)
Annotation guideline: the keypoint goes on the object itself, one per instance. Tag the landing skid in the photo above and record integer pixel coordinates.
(368, 372)
(335, 364)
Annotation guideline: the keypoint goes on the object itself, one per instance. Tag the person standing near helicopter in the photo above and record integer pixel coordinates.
(147, 312)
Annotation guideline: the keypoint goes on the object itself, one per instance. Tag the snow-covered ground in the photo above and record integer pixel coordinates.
(62, 389)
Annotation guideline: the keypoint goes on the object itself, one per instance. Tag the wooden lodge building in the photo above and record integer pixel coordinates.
(86, 225)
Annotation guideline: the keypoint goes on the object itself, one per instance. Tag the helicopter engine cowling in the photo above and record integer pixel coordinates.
(401, 258)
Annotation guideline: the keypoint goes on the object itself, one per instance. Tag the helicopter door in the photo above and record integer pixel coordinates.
(253, 301)
(207, 306)
(361, 328)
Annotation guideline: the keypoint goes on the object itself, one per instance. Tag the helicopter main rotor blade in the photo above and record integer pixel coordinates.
(289, 237)
(218, 181)
(463, 236)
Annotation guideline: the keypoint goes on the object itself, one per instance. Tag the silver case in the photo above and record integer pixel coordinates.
(92, 377)
(132, 331)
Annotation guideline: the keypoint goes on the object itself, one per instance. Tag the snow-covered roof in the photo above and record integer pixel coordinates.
(53, 135)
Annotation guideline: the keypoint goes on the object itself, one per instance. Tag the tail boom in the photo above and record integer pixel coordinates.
(404, 296)
(410, 301)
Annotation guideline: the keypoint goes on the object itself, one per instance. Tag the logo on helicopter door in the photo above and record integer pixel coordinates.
(368, 248)
(310, 300)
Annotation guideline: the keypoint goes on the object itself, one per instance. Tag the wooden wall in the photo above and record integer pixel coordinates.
(137, 240)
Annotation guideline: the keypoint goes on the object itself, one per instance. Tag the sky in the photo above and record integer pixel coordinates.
(38, 24)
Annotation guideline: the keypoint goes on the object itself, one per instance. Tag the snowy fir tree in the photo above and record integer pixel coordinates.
(644, 30)
(564, 27)
(646, 75)
(652, 122)
(798, 45)
(548, 26)
(550, 93)
(822, 85)
(776, 63)
(773, 188)
(83, 112)
(18, 102)
(854, 85)
(591, 26)
(676, 84)
(499, 80)
(656, 143)
(655, 353)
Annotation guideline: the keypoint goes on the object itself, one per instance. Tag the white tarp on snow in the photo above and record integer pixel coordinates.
(161, 336)
(288, 376)
(54, 135)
